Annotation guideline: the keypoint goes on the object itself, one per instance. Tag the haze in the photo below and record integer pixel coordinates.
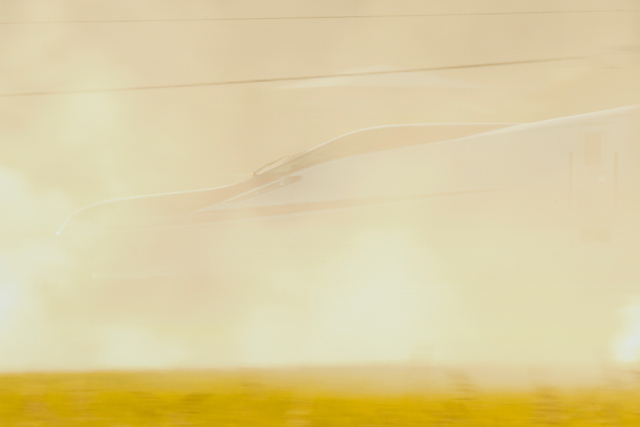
(68, 140)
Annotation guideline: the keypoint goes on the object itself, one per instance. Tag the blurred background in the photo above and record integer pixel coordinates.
(102, 100)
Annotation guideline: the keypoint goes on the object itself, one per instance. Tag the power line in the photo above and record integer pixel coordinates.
(295, 18)
(280, 79)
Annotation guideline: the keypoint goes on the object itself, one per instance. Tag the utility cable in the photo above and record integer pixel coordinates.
(281, 79)
(295, 18)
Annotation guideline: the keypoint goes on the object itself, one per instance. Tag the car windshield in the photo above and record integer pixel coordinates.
(272, 165)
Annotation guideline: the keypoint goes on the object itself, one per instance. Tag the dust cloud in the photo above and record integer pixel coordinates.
(349, 287)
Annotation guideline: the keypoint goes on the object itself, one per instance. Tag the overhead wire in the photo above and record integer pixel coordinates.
(281, 79)
(294, 78)
(324, 17)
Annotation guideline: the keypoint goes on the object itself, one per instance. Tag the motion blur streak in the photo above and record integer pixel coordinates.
(375, 310)
(627, 345)
(30, 262)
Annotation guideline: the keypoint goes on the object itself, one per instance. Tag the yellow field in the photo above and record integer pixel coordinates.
(239, 399)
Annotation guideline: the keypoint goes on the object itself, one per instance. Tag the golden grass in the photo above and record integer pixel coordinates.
(237, 399)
